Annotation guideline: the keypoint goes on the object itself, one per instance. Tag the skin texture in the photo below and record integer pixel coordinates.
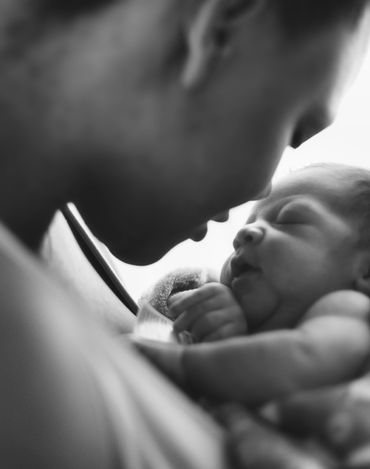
(130, 108)
(296, 246)
(292, 262)
(329, 346)
(210, 312)
(121, 126)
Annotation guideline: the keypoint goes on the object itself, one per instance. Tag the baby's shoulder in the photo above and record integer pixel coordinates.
(341, 303)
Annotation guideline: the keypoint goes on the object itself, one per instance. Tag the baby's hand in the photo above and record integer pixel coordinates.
(210, 313)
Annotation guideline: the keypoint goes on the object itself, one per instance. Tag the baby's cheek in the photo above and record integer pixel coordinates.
(258, 307)
(225, 276)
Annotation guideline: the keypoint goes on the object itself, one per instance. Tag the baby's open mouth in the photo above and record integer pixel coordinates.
(240, 266)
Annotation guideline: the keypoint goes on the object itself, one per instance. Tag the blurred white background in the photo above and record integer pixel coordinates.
(346, 141)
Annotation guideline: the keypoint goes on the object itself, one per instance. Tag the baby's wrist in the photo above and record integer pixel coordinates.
(168, 357)
(176, 367)
(188, 383)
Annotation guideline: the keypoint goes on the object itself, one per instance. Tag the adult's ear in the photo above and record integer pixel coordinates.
(208, 33)
(362, 282)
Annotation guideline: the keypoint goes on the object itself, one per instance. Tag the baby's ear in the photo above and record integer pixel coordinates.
(208, 30)
(362, 282)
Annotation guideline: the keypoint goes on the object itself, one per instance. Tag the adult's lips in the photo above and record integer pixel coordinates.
(199, 233)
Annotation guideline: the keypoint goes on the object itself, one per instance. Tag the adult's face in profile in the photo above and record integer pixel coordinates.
(164, 122)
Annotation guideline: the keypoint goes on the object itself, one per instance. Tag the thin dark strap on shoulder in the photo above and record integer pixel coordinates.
(95, 255)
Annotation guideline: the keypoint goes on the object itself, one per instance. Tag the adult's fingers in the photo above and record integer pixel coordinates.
(307, 413)
(168, 357)
(252, 444)
(358, 458)
(339, 416)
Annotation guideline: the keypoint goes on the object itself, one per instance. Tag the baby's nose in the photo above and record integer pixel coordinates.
(249, 234)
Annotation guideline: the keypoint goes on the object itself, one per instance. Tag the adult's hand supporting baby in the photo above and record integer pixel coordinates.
(167, 357)
(332, 426)
(323, 429)
(338, 417)
(253, 443)
(209, 312)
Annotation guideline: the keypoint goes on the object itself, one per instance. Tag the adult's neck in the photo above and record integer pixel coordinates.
(29, 197)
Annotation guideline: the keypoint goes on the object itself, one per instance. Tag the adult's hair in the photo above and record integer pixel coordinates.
(295, 15)
(301, 17)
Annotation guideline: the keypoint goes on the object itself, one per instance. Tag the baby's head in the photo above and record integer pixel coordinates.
(309, 237)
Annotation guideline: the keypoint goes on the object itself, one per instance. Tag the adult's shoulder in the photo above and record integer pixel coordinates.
(45, 400)
(74, 396)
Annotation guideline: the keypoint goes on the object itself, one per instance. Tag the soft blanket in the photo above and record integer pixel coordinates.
(183, 279)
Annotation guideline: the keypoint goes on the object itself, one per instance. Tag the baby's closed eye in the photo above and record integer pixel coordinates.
(293, 214)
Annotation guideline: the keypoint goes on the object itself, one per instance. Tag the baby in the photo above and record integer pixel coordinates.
(292, 305)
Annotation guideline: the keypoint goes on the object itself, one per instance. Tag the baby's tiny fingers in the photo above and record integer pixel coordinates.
(208, 323)
(191, 298)
(224, 332)
(177, 297)
(185, 321)
(176, 303)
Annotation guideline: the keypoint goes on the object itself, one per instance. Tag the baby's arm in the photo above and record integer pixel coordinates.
(329, 347)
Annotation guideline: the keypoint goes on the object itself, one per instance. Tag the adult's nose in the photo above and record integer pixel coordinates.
(263, 193)
(221, 217)
(250, 233)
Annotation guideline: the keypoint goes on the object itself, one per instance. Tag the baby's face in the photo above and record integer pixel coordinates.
(294, 248)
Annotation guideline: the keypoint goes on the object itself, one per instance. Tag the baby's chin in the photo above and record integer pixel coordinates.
(259, 317)
(281, 317)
